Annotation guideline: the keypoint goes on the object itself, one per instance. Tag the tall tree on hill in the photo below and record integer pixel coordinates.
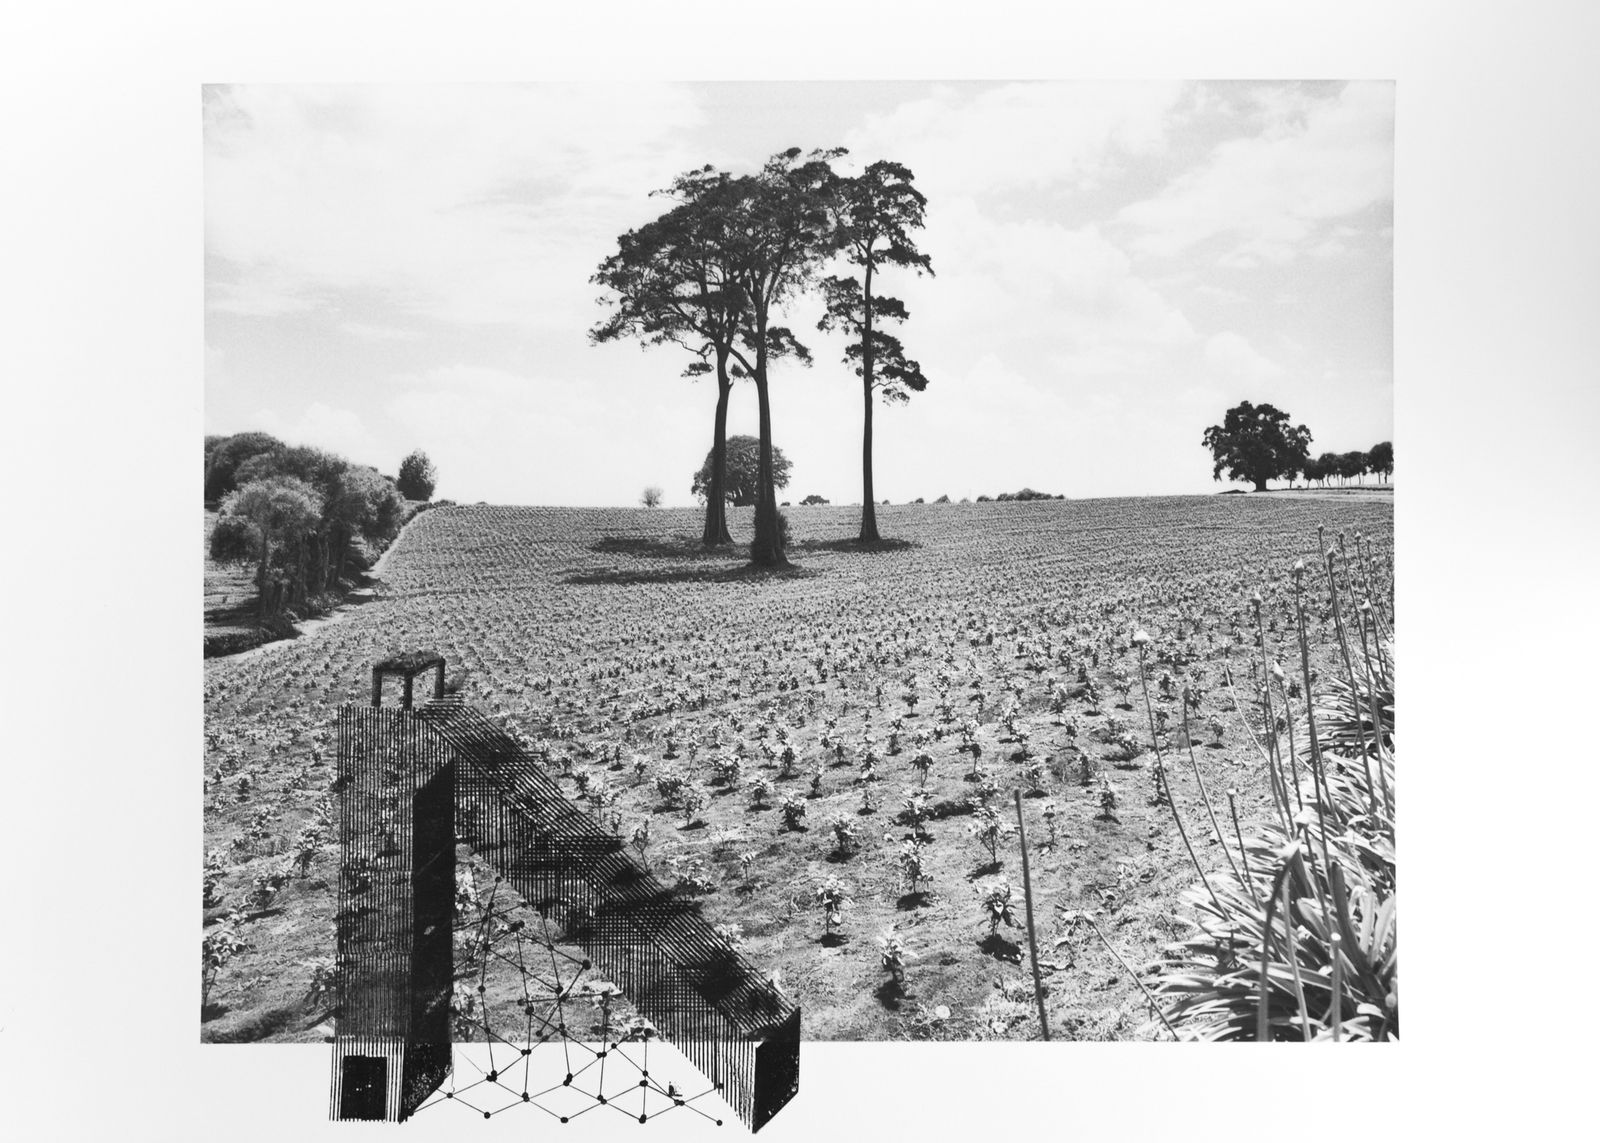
(1256, 443)
(874, 214)
(783, 230)
(674, 280)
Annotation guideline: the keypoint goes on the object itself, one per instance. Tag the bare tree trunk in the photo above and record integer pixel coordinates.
(869, 511)
(261, 576)
(767, 548)
(716, 529)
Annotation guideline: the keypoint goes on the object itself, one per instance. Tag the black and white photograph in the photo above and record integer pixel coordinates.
(719, 597)
(953, 555)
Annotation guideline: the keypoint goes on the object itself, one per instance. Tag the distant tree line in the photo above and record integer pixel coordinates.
(1257, 443)
(1347, 466)
(307, 519)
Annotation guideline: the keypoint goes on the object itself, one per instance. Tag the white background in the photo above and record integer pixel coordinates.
(1498, 292)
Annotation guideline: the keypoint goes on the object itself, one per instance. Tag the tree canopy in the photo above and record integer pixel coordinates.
(1380, 458)
(783, 231)
(873, 216)
(279, 510)
(678, 280)
(224, 455)
(741, 486)
(417, 476)
(354, 511)
(1255, 444)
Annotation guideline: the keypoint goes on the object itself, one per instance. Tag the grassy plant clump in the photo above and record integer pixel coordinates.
(1298, 939)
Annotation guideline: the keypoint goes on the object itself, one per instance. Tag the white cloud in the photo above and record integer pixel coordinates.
(1273, 193)
(409, 217)
(1019, 135)
(367, 332)
(466, 202)
(515, 438)
(1068, 296)
(342, 431)
(1230, 357)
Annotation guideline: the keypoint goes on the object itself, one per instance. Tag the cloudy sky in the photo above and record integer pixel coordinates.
(390, 267)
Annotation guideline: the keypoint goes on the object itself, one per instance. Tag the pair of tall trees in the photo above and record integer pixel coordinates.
(713, 273)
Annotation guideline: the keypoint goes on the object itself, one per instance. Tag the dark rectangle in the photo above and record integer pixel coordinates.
(777, 1077)
(365, 1083)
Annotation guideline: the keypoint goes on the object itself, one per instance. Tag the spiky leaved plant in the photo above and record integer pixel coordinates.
(1300, 942)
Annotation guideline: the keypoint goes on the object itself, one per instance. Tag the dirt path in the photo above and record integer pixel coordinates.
(362, 595)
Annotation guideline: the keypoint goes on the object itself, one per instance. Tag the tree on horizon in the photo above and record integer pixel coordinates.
(1380, 459)
(418, 477)
(874, 213)
(675, 281)
(1255, 444)
(742, 475)
(784, 229)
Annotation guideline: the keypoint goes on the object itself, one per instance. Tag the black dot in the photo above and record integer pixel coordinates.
(646, 1074)
(524, 1097)
(563, 1119)
(641, 1119)
(486, 1116)
(600, 1055)
(679, 1102)
(719, 1123)
(644, 1083)
(492, 1076)
(449, 1095)
(568, 1081)
(481, 989)
(601, 1098)
(586, 964)
(525, 1051)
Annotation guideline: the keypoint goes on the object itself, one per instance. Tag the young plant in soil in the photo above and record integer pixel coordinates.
(892, 956)
(991, 829)
(219, 946)
(846, 839)
(833, 900)
(997, 908)
(912, 867)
